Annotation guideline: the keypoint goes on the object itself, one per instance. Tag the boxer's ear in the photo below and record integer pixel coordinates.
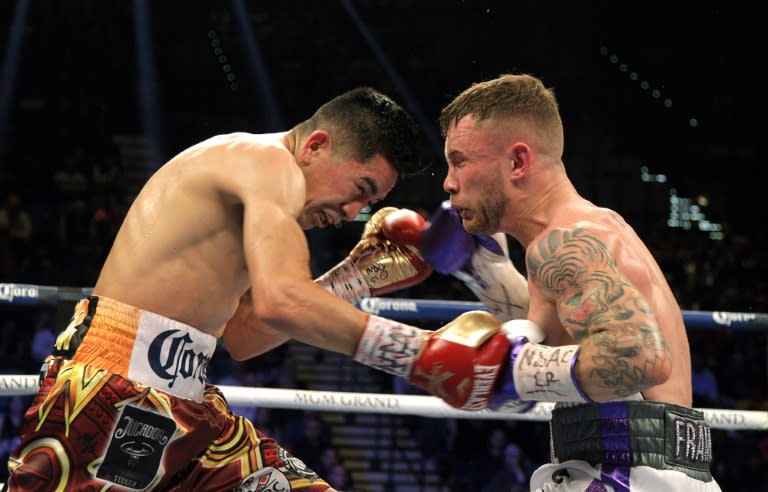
(520, 156)
(316, 141)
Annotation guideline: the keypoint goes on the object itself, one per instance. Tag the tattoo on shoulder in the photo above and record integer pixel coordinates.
(599, 307)
(575, 268)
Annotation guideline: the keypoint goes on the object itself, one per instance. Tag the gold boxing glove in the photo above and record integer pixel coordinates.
(386, 258)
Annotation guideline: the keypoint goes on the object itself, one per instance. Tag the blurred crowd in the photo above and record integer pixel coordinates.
(66, 187)
(60, 233)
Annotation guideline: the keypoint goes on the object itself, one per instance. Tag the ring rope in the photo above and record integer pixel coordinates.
(382, 403)
(29, 295)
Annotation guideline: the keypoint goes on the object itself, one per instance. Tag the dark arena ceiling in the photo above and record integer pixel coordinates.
(677, 87)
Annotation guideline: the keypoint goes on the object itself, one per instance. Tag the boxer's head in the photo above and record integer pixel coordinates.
(352, 151)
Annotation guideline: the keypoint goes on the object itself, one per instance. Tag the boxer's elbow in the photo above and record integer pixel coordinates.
(236, 348)
(255, 344)
(279, 307)
(245, 335)
(661, 365)
(243, 341)
(624, 361)
(653, 362)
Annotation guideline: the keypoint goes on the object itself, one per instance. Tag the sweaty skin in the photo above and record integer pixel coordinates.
(225, 219)
(593, 282)
(591, 279)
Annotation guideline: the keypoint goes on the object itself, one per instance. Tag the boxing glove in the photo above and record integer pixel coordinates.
(460, 363)
(480, 261)
(505, 398)
(386, 258)
(535, 372)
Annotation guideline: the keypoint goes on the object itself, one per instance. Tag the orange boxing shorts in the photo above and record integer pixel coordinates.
(123, 405)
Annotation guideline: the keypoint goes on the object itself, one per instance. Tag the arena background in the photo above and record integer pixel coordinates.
(663, 107)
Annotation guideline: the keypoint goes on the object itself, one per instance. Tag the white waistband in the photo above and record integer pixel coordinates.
(171, 356)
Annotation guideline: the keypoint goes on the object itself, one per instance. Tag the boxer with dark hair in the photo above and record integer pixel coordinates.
(213, 248)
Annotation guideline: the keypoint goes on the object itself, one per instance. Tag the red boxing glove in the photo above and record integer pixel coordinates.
(404, 226)
(460, 363)
(386, 258)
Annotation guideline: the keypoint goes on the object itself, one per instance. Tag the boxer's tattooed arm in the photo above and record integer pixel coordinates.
(622, 349)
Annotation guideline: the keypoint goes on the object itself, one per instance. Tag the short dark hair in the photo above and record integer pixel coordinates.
(364, 122)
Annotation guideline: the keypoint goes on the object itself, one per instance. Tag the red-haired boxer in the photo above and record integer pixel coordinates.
(615, 354)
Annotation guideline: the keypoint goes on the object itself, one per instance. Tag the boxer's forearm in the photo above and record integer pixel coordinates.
(620, 362)
(307, 312)
(242, 344)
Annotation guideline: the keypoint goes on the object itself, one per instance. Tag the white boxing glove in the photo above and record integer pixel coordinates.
(517, 328)
(519, 332)
(494, 279)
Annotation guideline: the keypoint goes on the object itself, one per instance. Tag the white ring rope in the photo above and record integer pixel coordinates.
(28, 295)
(381, 403)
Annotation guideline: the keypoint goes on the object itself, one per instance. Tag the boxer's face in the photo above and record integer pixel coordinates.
(338, 189)
(337, 184)
(475, 180)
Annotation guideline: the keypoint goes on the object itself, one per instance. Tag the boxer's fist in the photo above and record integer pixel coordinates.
(386, 258)
(445, 245)
(387, 253)
(404, 226)
(480, 261)
(523, 328)
(505, 398)
(462, 361)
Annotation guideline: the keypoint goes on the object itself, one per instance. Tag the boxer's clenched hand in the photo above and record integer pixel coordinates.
(386, 258)
(460, 363)
(480, 261)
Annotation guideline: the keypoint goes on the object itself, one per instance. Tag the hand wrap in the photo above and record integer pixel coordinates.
(536, 372)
